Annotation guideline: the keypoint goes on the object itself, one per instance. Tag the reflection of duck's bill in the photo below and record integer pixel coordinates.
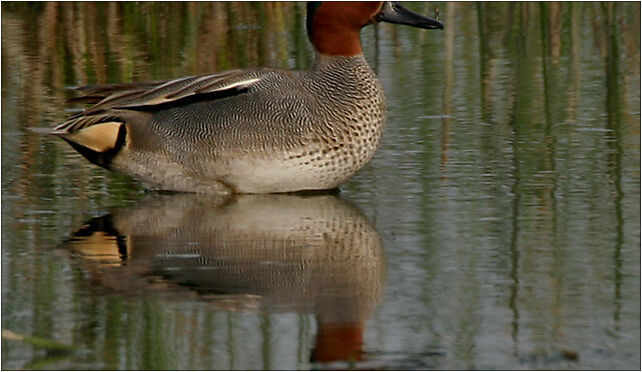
(338, 342)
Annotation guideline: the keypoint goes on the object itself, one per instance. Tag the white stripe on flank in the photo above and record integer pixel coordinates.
(245, 83)
(177, 95)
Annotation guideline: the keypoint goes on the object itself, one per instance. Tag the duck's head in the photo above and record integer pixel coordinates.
(333, 27)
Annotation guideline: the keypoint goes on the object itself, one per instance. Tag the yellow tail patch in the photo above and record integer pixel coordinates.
(99, 137)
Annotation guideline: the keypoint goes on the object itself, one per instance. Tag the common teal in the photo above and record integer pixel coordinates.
(257, 130)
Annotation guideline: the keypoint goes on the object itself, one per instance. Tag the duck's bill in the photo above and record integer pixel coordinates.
(393, 12)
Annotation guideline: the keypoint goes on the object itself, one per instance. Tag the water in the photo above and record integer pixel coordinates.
(497, 227)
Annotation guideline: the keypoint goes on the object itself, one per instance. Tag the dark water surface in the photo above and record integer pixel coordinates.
(498, 226)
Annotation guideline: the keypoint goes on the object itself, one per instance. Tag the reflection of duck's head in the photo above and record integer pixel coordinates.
(313, 254)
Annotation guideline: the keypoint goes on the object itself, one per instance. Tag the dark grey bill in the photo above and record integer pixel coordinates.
(393, 12)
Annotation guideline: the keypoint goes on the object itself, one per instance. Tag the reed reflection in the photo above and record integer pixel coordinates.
(267, 253)
(614, 141)
(449, 37)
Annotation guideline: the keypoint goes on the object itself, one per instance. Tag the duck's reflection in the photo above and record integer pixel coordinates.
(273, 253)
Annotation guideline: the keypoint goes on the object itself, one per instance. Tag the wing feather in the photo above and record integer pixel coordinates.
(149, 94)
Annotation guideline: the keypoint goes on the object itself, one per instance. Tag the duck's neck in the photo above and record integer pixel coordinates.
(323, 60)
(339, 42)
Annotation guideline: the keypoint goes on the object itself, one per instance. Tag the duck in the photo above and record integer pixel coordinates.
(248, 131)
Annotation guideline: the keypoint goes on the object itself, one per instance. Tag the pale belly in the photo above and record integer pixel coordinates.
(312, 168)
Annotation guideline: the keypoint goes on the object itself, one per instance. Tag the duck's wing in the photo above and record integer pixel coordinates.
(149, 96)
(99, 128)
(97, 92)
